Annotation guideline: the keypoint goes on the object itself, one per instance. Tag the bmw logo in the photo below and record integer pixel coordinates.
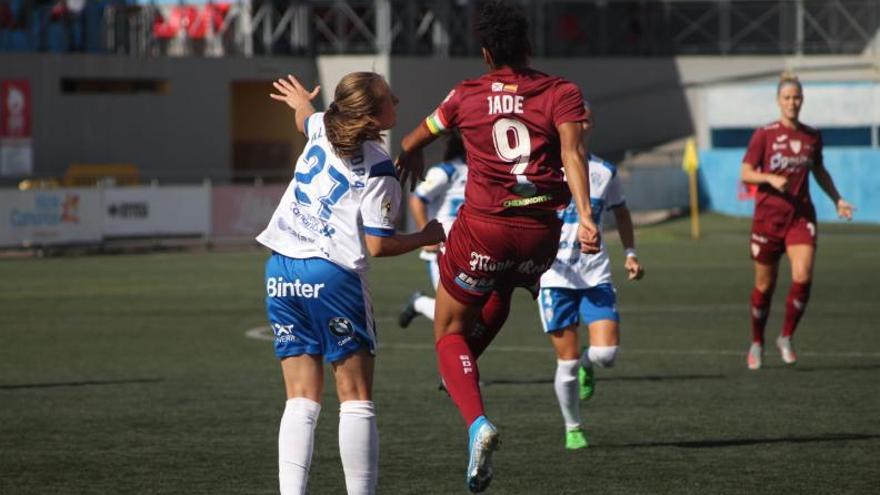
(340, 327)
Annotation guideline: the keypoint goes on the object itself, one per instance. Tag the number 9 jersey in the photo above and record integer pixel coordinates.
(332, 202)
(508, 122)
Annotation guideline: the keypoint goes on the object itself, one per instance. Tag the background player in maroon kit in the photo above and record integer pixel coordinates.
(779, 159)
(520, 128)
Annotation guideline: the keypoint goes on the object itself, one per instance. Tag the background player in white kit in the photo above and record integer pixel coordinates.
(344, 195)
(439, 196)
(577, 289)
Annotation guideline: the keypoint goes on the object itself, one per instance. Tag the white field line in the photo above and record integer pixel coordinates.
(263, 333)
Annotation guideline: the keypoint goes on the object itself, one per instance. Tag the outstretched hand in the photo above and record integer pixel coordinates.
(411, 167)
(293, 93)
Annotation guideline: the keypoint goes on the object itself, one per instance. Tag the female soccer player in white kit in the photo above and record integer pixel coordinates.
(344, 196)
(577, 289)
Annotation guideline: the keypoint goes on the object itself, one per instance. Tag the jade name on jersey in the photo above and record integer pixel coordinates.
(332, 202)
(572, 269)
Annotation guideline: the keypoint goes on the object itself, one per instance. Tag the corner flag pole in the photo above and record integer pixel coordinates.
(690, 162)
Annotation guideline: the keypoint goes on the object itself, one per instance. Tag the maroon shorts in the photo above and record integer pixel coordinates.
(769, 240)
(484, 254)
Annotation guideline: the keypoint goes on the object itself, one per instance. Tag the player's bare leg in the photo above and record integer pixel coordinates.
(801, 257)
(759, 310)
(458, 367)
(358, 435)
(303, 384)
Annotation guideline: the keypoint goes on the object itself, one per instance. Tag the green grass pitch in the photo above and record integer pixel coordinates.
(133, 374)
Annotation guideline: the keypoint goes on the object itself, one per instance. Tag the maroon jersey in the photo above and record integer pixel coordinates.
(508, 122)
(791, 153)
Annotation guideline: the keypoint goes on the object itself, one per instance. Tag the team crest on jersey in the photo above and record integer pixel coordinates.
(795, 145)
(781, 138)
(386, 211)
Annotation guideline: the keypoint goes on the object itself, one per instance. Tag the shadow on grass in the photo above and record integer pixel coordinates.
(744, 442)
(852, 367)
(84, 383)
(643, 378)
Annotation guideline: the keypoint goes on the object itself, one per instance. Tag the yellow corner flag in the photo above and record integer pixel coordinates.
(690, 162)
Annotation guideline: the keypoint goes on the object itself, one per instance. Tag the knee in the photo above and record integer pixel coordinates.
(603, 356)
(765, 283)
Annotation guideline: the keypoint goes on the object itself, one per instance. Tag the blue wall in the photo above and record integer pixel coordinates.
(856, 173)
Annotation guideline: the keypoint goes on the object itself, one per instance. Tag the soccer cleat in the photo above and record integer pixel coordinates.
(409, 311)
(756, 356)
(482, 442)
(587, 382)
(575, 439)
(786, 350)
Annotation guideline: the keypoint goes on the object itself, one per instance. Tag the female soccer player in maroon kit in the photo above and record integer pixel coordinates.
(779, 159)
(521, 128)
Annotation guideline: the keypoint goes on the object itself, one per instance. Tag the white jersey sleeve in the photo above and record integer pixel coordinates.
(380, 203)
(614, 195)
(435, 185)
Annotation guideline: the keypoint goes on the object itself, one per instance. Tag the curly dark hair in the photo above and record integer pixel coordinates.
(503, 30)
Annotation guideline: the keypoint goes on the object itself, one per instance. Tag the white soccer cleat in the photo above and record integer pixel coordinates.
(786, 350)
(482, 444)
(756, 356)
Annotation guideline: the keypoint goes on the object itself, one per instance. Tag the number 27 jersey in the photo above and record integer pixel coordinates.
(508, 122)
(332, 202)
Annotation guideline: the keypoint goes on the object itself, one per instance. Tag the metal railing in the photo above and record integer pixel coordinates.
(445, 27)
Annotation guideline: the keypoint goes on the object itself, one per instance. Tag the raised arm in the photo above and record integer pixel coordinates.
(297, 97)
(844, 209)
(576, 174)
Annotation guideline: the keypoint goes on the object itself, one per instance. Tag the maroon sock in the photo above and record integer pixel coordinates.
(760, 310)
(492, 318)
(458, 367)
(795, 305)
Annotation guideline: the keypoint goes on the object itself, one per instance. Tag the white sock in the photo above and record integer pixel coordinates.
(425, 306)
(296, 438)
(359, 446)
(602, 356)
(566, 386)
(585, 359)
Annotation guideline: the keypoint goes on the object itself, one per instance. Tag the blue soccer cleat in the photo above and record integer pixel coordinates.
(482, 443)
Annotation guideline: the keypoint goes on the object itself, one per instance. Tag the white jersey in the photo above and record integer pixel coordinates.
(442, 191)
(332, 202)
(572, 269)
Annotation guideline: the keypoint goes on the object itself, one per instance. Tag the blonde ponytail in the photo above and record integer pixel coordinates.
(352, 118)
